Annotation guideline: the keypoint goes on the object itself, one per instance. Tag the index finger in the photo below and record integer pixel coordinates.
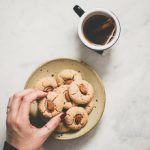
(27, 100)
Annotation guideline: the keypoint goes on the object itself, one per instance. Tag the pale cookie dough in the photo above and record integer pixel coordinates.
(62, 128)
(64, 90)
(81, 92)
(76, 118)
(89, 107)
(51, 105)
(67, 76)
(46, 84)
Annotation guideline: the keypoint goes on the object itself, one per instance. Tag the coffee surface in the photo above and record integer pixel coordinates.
(99, 29)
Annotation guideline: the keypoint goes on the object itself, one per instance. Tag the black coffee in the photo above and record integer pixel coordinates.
(99, 29)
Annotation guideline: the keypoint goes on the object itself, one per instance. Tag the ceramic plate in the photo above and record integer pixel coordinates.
(52, 68)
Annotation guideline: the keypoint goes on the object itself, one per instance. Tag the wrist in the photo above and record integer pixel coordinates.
(11, 145)
(8, 146)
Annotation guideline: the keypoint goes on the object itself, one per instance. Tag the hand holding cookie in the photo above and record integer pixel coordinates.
(72, 95)
(20, 133)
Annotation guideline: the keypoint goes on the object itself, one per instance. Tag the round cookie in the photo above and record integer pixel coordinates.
(51, 105)
(46, 84)
(89, 107)
(62, 128)
(64, 90)
(81, 92)
(67, 76)
(76, 118)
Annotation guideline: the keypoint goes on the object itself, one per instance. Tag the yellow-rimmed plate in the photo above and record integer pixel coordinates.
(52, 68)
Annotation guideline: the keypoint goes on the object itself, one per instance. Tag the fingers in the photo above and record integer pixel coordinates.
(14, 104)
(26, 102)
(48, 128)
(15, 101)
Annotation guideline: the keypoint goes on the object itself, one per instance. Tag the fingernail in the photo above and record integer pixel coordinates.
(63, 115)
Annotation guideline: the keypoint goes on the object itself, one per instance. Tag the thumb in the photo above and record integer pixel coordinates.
(51, 125)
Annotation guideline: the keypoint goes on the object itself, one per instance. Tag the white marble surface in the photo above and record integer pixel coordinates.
(34, 31)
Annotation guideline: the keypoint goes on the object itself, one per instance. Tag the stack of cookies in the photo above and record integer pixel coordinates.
(67, 92)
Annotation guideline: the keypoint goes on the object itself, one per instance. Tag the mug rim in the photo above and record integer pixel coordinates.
(93, 46)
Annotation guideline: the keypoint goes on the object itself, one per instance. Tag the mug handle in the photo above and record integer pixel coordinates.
(78, 10)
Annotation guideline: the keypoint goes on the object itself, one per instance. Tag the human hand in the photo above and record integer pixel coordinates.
(20, 133)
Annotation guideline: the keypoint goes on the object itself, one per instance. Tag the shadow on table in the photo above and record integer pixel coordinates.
(99, 62)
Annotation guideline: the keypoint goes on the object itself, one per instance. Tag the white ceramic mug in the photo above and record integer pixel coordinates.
(86, 15)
